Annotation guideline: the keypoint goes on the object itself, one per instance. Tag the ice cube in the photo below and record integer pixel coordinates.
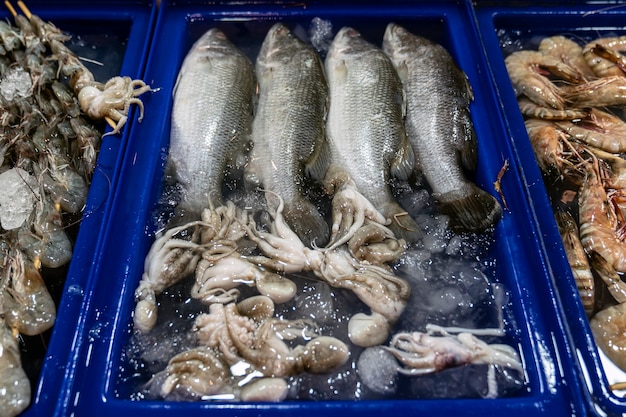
(16, 83)
(17, 200)
(378, 370)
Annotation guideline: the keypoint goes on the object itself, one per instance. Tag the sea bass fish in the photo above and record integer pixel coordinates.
(439, 127)
(288, 131)
(365, 127)
(211, 119)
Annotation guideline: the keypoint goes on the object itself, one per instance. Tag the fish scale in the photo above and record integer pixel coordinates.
(365, 125)
(211, 118)
(288, 132)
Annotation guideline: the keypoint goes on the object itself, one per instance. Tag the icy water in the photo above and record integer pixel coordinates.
(453, 283)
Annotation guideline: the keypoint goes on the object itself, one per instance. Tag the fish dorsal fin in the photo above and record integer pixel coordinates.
(468, 88)
(468, 153)
(404, 161)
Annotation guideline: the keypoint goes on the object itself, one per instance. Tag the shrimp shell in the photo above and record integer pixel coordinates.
(600, 129)
(598, 222)
(529, 78)
(606, 91)
(603, 57)
(607, 327)
(568, 52)
(531, 109)
(549, 146)
(14, 384)
(577, 259)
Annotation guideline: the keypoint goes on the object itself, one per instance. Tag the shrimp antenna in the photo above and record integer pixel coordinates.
(9, 6)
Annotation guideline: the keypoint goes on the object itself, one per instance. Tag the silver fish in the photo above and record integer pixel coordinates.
(365, 127)
(439, 127)
(288, 131)
(211, 119)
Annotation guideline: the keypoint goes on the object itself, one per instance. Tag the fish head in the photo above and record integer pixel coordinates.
(348, 41)
(400, 44)
(348, 45)
(214, 40)
(279, 45)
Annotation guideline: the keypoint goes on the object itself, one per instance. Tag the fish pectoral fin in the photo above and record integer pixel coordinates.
(404, 161)
(468, 88)
(340, 68)
(317, 165)
(469, 156)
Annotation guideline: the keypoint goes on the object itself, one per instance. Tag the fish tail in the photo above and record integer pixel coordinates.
(307, 222)
(402, 224)
(470, 210)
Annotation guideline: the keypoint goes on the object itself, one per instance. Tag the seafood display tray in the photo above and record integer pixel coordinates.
(503, 29)
(97, 332)
(114, 37)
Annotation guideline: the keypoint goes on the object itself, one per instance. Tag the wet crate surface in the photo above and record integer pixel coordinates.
(505, 30)
(115, 38)
(99, 385)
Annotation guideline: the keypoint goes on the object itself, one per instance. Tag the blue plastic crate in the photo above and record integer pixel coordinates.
(119, 31)
(95, 385)
(527, 26)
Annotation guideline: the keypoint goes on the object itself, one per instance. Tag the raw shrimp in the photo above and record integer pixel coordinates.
(613, 168)
(607, 327)
(44, 238)
(111, 100)
(10, 39)
(529, 70)
(568, 52)
(600, 129)
(577, 259)
(66, 188)
(88, 141)
(604, 58)
(14, 384)
(598, 221)
(28, 306)
(606, 91)
(531, 109)
(551, 148)
(613, 282)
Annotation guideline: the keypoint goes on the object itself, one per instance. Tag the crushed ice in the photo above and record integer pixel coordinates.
(17, 199)
(16, 84)
(321, 34)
